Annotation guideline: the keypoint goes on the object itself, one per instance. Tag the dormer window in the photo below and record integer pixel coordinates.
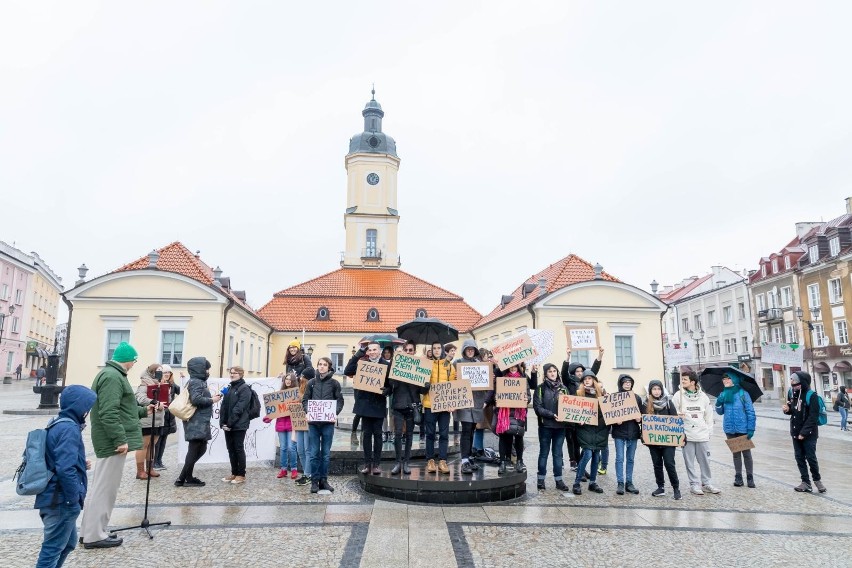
(774, 266)
(834, 246)
(813, 254)
(372, 314)
(322, 314)
(421, 313)
(786, 263)
(763, 270)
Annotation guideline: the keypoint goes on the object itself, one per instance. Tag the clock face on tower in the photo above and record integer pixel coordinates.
(373, 178)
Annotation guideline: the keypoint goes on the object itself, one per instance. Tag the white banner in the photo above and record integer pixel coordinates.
(543, 341)
(782, 354)
(260, 438)
(679, 357)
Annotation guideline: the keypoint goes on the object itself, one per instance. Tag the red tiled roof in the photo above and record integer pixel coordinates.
(349, 293)
(175, 257)
(569, 270)
(793, 249)
(684, 291)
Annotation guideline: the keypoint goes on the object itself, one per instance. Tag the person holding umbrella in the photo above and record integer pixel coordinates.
(804, 428)
(739, 420)
(442, 371)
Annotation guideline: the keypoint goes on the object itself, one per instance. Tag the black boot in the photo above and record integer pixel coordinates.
(738, 480)
(750, 481)
(502, 469)
(396, 468)
(560, 485)
(405, 469)
(315, 485)
(323, 484)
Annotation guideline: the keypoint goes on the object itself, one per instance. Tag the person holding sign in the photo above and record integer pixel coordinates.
(658, 402)
(592, 439)
(150, 378)
(284, 428)
(626, 435)
(321, 432)
(739, 420)
(694, 407)
(469, 417)
(803, 406)
(550, 432)
(296, 360)
(406, 398)
(371, 407)
(510, 423)
(572, 378)
(234, 420)
(302, 449)
(442, 371)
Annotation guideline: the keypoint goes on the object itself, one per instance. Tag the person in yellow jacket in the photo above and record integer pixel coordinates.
(443, 370)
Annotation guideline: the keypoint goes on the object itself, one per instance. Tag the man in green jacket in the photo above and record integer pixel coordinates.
(115, 431)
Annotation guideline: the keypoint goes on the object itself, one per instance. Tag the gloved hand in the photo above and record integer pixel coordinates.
(360, 353)
(750, 434)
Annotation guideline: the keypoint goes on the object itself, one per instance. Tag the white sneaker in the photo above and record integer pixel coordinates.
(712, 489)
(696, 490)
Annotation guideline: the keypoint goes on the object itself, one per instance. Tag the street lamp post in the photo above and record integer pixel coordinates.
(696, 337)
(815, 315)
(3, 321)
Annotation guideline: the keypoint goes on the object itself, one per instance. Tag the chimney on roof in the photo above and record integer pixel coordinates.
(217, 274)
(153, 257)
(542, 287)
(849, 205)
(654, 286)
(198, 254)
(598, 271)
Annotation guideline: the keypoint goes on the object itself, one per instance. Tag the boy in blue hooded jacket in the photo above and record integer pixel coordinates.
(60, 503)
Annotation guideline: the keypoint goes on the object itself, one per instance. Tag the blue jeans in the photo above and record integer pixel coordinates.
(550, 438)
(320, 435)
(622, 447)
(478, 439)
(604, 461)
(60, 535)
(586, 456)
(844, 414)
(302, 450)
(288, 450)
(442, 421)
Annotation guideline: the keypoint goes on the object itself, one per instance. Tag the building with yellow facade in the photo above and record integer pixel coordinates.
(43, 296)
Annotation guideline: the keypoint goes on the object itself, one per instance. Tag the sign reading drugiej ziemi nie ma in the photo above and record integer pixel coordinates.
(322, 411)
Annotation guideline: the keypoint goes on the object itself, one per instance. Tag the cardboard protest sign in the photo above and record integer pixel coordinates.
(511, 392)
(513, 351)
(276, 403)
(578, 409)
(370, 377)
(322, 411)
(298, 417)
(410, 369)
(662, 430)
(583, 337)
(480, 375)
(619, 407)
(739, 444)
(449, 396)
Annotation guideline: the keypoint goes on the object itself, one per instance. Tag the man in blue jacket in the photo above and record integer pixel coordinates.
(60, 503)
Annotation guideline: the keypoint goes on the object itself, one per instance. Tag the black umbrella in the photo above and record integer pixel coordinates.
(383, 339)
(711, 381)
(425, 331)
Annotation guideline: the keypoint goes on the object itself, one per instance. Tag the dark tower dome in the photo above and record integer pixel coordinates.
(372, 140)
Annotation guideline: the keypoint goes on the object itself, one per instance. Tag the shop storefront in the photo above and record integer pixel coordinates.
(830, 368)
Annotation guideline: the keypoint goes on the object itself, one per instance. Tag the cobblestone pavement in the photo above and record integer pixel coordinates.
(271, 521)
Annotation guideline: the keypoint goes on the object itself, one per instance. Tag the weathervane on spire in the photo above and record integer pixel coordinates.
(374, 91)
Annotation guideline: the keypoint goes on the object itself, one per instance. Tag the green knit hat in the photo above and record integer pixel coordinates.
(124, 353)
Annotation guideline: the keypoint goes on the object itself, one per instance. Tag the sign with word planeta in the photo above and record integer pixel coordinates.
(298, 417)
(662, 430)
(276, 403)
(322, 411)
(410, 369)
(480, 375)
(739, 444)
(370, 376)
(619, 407)
(511, 392)
(578, 409)
(513, 351)
(450, 395)
(583, 337)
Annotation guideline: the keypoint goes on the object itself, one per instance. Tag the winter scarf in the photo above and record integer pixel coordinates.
(503, 414)
(729, 393)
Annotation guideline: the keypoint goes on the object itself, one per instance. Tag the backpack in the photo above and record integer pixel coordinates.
(33, 475)
(822, 419)
(254, 405)
(181, 407)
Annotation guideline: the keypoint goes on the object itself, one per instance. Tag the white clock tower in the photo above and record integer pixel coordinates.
(371, 219)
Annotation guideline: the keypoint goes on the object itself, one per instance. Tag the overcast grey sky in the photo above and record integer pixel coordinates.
(657, 138)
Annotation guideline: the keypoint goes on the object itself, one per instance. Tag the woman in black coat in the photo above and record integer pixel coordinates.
(196, 430)
(371, 408)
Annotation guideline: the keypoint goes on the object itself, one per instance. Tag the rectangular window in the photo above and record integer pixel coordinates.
(581, 357)
(702, 350)
(712, 348)
(834, 246)
(761, 302)
(371, 243)
(10, 360)
(697, 321)
(771, 300)
(763, 270)
(727, 346)
(172, 353)
(777, 336)
(337, 359)
(259, 364)
(114, 337)
(242, 353)
(718, 348)
(835, 293)
(684, 324)
(786, 297)
(230, 351)
(813, 254)
(786, 263)
(711, 318)
(5, 295)
(741, 310)
(733, 345)
(819, 339)
(19, 297)
(813, 295)
(774, 266)
(727, 314)
(624, 351)
(841, 333)
(251, 357)
(764, 335)
(744, 343)
(14, 324)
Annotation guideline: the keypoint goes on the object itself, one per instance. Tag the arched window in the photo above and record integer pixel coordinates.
(322, 314)
(421, 313)
(372, 314)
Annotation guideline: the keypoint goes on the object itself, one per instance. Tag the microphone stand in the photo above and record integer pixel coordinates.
(145, 524)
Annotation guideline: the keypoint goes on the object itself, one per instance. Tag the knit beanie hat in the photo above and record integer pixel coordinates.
(124, 353)
(295, 343)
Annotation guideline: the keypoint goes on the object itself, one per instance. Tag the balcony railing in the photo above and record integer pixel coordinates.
(772, 314)
(371, 254)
